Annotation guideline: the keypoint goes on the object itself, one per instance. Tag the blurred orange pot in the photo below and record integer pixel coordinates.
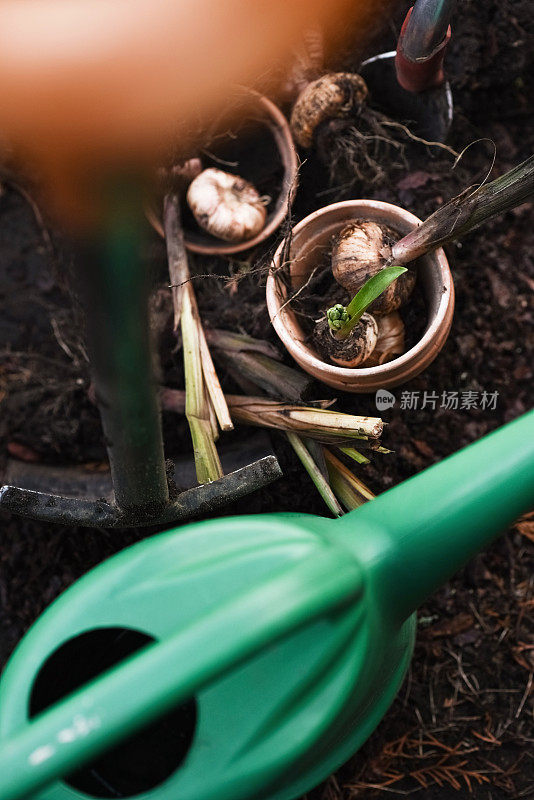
(313, 235)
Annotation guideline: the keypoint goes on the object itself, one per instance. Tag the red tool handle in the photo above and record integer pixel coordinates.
(423, 73)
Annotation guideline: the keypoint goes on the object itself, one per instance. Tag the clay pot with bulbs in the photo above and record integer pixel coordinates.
(237, 188)
(352, 240)
(367, 245)
(360, 251)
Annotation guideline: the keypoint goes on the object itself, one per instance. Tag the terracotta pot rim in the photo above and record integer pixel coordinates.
(427, 343)
(288, 155)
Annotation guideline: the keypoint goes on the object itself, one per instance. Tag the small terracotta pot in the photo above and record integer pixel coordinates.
(264, 109)
(310, 238)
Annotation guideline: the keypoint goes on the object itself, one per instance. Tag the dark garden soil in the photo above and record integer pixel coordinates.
(464, 719)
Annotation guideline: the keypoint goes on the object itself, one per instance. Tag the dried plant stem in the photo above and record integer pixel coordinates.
(329, 427)
(197, 406)
(204, 399)
(344, 424)
(240, 343)
(315, 473)
(213, 419)
(256, 362)
(212, 381)
(465, 212)
(326, 426)
(316, 450)
(348, 488)
(176, 254)
(180, 284)
(278, 380)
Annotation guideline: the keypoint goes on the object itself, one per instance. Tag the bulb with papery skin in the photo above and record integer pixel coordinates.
(226, 205)
(390, 343)
(351, 350)
(360, 251)
(358, 346)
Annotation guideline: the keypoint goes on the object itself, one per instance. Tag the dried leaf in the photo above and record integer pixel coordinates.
(525, 526)
(417, 179)
(22, 452)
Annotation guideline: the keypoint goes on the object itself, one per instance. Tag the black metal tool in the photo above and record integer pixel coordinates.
(409, 83)
(113, 287)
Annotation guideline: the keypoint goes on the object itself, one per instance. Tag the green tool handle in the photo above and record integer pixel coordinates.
(414, 537)
(139, 690)
(114, 285)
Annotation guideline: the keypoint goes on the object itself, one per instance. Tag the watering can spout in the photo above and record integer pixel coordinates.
(417, 535)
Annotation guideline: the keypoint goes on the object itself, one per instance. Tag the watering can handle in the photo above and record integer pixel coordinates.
(134, 693)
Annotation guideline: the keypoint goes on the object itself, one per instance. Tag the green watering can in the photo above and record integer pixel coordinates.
(257, 653)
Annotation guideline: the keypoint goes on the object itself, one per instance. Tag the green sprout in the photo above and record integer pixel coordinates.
(337, 316)
(342, 319)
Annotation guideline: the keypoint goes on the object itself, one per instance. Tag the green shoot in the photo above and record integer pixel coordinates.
(342, 320)
(358, 457)
(315, 473)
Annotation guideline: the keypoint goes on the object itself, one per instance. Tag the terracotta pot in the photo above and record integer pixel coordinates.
(312, 236)
(264, 109)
